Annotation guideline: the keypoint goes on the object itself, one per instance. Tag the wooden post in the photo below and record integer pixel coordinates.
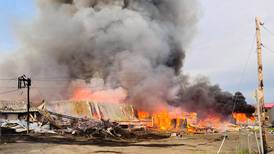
(260, 123)
(260, 83)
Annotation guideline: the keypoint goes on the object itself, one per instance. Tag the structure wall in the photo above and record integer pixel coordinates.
(3, 116)
(271, 116)
(12, 116)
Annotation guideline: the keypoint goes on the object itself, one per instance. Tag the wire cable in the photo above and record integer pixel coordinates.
(7, 79)
(9, 91)
(268, 49)
(40, 79)
(51, 80)
(244, 71)
(268, 30)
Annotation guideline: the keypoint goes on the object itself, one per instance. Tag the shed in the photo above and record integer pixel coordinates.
(12, 110)
(269, 107)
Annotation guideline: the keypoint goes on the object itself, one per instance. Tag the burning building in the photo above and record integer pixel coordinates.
(125, 51)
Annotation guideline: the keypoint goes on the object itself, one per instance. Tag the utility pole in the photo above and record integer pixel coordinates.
(24, 82)
(260, 95)
(0, 130)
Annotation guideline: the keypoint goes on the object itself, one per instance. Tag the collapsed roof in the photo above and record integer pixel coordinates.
(92, 110)
(8, 106)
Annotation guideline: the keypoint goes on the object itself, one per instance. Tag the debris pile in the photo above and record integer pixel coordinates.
(102, 128)
(103, 120)
(21, 126)
(51, 117)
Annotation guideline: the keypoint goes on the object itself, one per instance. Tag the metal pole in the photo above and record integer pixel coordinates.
(0, 129)
(260, 83)
(28, 106)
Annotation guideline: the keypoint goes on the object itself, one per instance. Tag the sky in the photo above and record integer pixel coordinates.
(13, 11)
(223, 49)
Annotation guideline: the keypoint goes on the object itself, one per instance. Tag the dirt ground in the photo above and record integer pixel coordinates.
(198, 144)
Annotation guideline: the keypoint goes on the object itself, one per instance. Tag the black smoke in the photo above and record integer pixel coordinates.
(139, 45)
(206, 99)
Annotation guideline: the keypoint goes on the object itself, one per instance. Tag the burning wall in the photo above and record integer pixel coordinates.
(138, 46)
(92, 110)
(172, 119)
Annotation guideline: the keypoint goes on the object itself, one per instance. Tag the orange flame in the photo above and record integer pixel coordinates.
(143, 115)
(162, 120)
(167, 121)
(213, 121)
(242, 117)
(103, 96)
(191, 129)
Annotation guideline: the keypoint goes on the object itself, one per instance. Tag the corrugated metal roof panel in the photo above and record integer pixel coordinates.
(14, 107)
(269, 105)
(93, 110)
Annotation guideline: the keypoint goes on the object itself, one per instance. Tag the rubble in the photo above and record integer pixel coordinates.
(100, 128)
(21, 126)
(106, 121)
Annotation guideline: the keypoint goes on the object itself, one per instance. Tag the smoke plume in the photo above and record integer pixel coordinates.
(138, 45)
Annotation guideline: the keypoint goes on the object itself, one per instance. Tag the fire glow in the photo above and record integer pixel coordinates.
(167, 121)
(170, 121)
(165, 118)
(243, 118)
(109, 96)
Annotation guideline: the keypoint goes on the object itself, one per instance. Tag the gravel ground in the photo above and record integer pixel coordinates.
(202, 143)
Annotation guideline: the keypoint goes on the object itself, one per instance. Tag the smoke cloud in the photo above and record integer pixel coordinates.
(138, 45)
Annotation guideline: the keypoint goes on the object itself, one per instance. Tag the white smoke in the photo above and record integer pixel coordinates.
(134, 44)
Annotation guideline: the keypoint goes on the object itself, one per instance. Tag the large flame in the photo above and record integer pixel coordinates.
(162, 120)
(103, 96)
(243, 118)
(168, 120)
(213, 121)
(165, 120)
(163, 117)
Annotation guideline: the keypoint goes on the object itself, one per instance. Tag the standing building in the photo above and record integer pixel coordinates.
(269, 107)
(15, 110)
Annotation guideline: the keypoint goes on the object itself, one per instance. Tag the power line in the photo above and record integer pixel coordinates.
(12, 79)
(53, 79)
(8, 87)
(41, 79)
(7, 79)
(247, 60)
(244, 70)
(268, 49)
(268, 30)
(50, 80)
(9, 91)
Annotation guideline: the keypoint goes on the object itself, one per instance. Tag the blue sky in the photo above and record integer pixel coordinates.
(220, 49)
(12, 11)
